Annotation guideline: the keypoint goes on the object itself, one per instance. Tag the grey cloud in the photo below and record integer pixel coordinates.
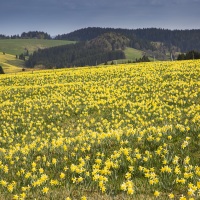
(61, 16)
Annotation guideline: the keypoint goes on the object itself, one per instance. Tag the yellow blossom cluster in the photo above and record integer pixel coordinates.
(130, 130)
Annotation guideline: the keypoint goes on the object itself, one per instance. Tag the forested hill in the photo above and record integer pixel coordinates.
(99, 50)
(86, 34)
(185, 40)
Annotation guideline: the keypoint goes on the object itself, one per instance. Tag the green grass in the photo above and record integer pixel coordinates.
(18, 46)
(10, 64)
(133, 54)
(13, 47)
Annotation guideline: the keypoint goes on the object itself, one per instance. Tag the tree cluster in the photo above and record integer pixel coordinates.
(80, 54)
(185, 40)
(28, 35)
(15, 37)
(143, 59)
(191, 55)
(21, 56)
(109, 41)
(4, 36)
(36, 35)
(86, 34)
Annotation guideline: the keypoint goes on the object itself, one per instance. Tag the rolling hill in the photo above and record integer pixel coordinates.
(10, 64)
(100, 45)
(104, 48)
(18, 46)
(185, 40)
(9, 48)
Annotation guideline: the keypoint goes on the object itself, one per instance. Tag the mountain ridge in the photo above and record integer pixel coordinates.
(185, 40)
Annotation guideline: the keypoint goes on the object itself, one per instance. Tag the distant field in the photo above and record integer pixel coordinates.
(10, 64)
(13, 47)
(133, 54)
(18, 46)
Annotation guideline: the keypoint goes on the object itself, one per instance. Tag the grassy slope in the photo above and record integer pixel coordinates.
(133, 54)
(10, 64)
(18, 46)
(13, 47)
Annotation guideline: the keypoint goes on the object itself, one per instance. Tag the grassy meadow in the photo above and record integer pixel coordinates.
(133, 54)
(109, 132)
(10, 64)
(13, 47)
(19, 46)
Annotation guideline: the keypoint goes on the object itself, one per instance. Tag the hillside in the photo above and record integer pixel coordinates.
(91, 33)
(9, 48)
(142, 39)
(99, 45)
(10, 64)
(18, 46)
(108, 46)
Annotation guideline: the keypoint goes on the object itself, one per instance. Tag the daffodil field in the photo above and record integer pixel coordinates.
(110, 132)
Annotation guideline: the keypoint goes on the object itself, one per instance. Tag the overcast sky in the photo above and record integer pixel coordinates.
(63, 16)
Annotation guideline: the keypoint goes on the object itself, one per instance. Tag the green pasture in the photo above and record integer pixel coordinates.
(133, 54)
(9, 48)
(10, 64)
(18, 46)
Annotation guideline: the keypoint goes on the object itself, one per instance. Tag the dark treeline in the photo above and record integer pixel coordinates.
(191, 55)
(143, 59)
(185, 40)
(35, 34)
(28, 35)
(109, 41)
(86, 34)
(4, 36)
(100, 50)
(72, 55)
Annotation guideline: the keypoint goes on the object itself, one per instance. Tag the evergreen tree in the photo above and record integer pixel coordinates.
(22, 57)
(1, 70)
(181, 56)
(143, 59)
(191, 55)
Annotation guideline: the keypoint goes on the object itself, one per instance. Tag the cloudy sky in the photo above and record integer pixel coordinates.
(63, 16)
